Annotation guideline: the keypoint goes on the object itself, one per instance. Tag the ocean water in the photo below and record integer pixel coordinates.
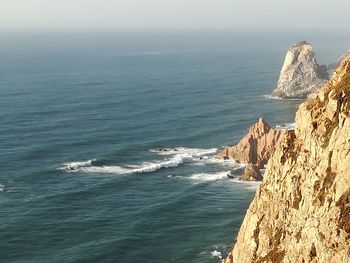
(82, 120)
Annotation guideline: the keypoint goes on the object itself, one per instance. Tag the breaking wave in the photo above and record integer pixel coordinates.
(216, 253)
(5, 189)
(270, 97)
(220, 176)
(174, 157)
(205, 177)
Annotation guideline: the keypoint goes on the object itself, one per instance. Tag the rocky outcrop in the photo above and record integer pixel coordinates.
(332, 67)
(256, 147)
(300, 74)
(251, 173)
(301, 211)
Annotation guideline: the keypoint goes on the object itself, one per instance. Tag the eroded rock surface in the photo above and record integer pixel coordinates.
(301, 211)
(251, 173)
(256, 147)
(300, 74)
(332, 67)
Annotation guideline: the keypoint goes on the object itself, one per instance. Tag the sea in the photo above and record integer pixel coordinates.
(108, 140)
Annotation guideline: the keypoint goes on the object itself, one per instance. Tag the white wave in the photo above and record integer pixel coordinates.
(173, 157)
(271, 97)
(286, 126)
(78, 165)
(219, 176)
(216, 253)
(195, 152)
(278, 98)
(226, 163)
(2, 188)
(199, 157)
(205, 177)
(145, 167)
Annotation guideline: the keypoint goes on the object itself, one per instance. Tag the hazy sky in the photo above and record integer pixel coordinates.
(173, 14)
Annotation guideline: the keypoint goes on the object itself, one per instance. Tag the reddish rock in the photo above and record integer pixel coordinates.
(256, 147)
(251, 173)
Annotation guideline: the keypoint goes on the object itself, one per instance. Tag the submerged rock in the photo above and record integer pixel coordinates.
(256, 147)
(300, 74)
(251, 173)
(301, 211)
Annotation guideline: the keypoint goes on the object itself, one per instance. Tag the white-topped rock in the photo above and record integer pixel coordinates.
(300, 74)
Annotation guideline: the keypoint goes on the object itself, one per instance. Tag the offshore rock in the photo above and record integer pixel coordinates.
(300, 74)
(256, 147)
(251, 173)
(301, 211)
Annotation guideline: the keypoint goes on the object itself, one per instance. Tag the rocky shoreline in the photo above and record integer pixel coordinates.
(301, 210)
(254, 149)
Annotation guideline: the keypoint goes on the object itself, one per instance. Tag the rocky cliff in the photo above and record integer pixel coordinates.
(301, 211)
(255, 147)
(332, 67)
(300, 74)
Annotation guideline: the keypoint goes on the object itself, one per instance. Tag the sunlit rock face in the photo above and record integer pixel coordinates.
(251, 173)
(255, 147)
(332, 67)
(301, 211)
(300, 74)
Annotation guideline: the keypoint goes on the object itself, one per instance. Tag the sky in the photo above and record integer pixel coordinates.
(173, 14)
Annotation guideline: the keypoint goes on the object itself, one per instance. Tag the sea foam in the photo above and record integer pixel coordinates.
(204, 177)
(174, 157)
(216, 253)
(271, 97)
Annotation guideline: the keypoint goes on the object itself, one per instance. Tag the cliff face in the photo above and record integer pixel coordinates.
(256, 147)
(301, 211)
(300, 74)
(332, 67)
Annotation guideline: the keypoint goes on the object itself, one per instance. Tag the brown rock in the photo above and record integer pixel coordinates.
(301, 211)
(251, 173)
(256, 147)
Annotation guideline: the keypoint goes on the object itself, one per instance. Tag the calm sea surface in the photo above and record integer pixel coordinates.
(82, 117)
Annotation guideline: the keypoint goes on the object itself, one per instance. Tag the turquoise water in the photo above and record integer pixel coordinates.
(82, 118)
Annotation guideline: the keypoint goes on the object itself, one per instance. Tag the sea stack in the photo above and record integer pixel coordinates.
(255, 147)
(301, 211)
(300, 74)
